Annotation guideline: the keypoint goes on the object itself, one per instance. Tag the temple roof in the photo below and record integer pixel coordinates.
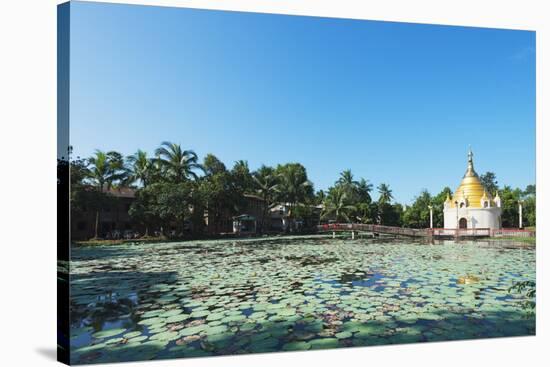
(470, 187)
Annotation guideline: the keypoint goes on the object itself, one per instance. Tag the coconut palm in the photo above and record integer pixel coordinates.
(241, 173)
(265, 183)
(385, 193)
(156, 170)
(336, 205)
(104, 170)
(293, 187)
(140, 167)
(178, 164)
(98, 170)
(241, 166)
(293, 183)
(364, 188)
(346, 179)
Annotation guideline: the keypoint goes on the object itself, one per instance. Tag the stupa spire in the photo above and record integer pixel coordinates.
(470, 172)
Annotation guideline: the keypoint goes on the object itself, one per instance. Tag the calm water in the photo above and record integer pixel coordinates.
(230, 297)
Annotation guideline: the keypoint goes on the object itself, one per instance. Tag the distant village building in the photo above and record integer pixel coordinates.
(249, 221)
(471, 205)
(253, 217)
(278, 217)
(281, 221)
(114, 219)
(245, 224)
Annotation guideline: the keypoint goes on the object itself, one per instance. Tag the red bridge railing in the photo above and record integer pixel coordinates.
(513, 232)
(374, 228)
(461, 232)
(435, 232)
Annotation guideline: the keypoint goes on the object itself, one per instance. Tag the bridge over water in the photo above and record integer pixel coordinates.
(371, 228)
(376, 229)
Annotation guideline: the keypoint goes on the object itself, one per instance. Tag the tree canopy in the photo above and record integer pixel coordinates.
(174, 189)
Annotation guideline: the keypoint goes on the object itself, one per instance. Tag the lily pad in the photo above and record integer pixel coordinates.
(108, 333)
(324, 343)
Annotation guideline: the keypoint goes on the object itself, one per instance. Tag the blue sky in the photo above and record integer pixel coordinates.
(394, 102)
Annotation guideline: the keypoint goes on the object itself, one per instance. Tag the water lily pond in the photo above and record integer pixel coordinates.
(202, 298)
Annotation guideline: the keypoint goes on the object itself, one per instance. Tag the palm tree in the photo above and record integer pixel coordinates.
(155, 170)
(346, 179)
(385, 193)
(364, 188)
(118, 171)
(384, 200)
(140, 167)
(99, 169)
(241, 172)
(241, 166)
(337, 205)
(104, 169)
(293, 186)
(265, 183)
(179, 165)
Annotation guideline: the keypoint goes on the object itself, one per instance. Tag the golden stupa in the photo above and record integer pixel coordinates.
(471, 191)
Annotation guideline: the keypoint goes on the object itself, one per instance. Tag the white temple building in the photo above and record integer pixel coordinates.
(471, 205)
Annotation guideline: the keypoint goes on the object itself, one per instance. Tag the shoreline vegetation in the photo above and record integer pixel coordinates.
(178, 196)
(282, 236)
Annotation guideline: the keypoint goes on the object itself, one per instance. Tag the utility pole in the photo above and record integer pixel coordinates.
(456, 204)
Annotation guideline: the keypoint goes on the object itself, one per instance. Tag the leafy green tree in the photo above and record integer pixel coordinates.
(530, 212)
(178, 165)
(371, 212)
(437, 203)
(489, 180)
(222, 194)
(529, 197)
(337, 205)
(509, 201)
(143, 209)
(212, 165)
(390, 215)
(173, 202)
(418, 214)
(530, 190)
(78, 172)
